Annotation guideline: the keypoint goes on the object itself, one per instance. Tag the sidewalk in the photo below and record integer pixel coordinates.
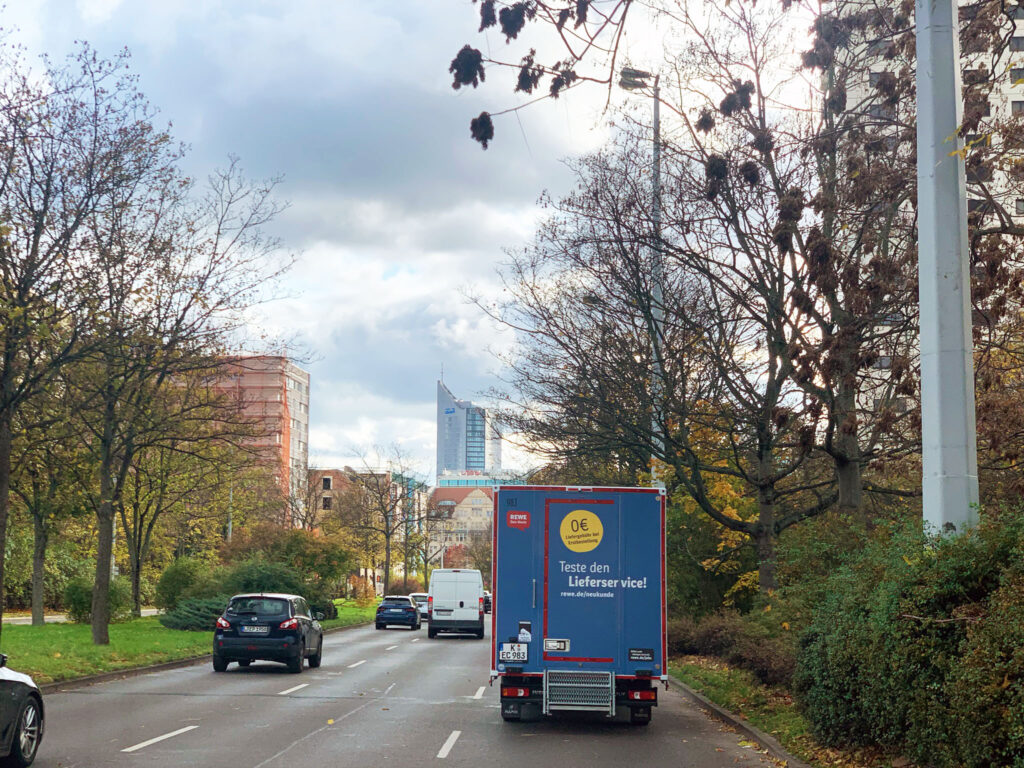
(58, 618)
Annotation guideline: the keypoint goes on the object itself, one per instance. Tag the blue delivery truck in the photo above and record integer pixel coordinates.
(578, 616)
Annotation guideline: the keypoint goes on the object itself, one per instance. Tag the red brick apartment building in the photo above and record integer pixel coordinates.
(275, 391)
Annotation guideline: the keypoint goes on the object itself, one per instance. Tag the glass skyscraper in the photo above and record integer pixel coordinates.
(467, 435)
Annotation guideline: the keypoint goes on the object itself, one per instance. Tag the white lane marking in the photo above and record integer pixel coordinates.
(415, 640)
(479, 692)
(449, 744)
(391, 648)
(293, 690)
(357, 664)
(160, 738)
(389, 688)
(322, 728)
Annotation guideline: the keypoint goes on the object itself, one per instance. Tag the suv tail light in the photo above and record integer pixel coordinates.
(289, 624)
(430, 607)
(223, 623)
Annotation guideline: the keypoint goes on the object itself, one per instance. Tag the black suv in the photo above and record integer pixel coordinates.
(268, 626)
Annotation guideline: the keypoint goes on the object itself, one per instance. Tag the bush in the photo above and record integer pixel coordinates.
(681, 633)
(78, 599)
(261, 576)
(716, 633)
(917, 645)
(771, 659)
(175, 581)
(321, 599)
(196, 614)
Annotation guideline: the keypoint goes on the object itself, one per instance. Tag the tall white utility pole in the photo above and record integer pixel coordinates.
(949, 453)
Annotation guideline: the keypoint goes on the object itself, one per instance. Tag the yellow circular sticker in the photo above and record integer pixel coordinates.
(581, 530)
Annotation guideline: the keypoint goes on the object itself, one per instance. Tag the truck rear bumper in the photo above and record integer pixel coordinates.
(522, 697)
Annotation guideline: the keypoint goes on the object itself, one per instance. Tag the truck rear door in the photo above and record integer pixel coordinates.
(582, 618)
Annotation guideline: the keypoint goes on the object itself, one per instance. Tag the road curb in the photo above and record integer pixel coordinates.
(123, 674)
(768, 743)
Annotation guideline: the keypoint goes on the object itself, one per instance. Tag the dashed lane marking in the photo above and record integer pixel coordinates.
(449, 744)
(160, 738)
(391, 648)
(293, 690)
(362, 661)
(479, 692)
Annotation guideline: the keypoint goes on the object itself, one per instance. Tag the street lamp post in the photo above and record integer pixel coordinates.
(635, 79)
(949, 457)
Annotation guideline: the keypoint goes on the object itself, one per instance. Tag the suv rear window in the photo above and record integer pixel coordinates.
(261, 606)
(397, 600)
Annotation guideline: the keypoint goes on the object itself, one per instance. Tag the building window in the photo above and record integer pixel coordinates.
(882, 111)
(1017, 107)
(1019, 206)
(977, 206)
(1017, 43)
(975, 76)
(873, 78)
(979, 173)
(326, 502)
(327, 483)
(1017, 75)
(884, 362)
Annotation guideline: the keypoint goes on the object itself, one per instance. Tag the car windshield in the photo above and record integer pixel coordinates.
(262, 606)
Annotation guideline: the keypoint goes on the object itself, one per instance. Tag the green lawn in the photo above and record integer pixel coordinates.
(772, 710)
(352, 612)
(63, 651)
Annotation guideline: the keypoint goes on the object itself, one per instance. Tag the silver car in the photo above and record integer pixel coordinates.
(420, 598)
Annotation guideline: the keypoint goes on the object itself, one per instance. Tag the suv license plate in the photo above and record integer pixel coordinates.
(516, 652)
(254, 630)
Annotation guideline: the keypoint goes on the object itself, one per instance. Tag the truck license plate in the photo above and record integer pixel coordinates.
(515, 652)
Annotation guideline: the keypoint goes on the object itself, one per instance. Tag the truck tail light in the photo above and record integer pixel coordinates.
(515, 693)
(430, 607)
(223, 623)
(289, 624)
(650, 695)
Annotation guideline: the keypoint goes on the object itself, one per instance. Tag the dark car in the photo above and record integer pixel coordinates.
(398, 609)
(21, 717)
(269, 627)
(487, 601)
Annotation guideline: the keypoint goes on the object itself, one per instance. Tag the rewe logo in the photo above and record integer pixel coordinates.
(520, 520)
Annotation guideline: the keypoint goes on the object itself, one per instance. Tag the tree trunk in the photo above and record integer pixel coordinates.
(764, 539)
(101, 587)
(387, 564)
(849, 482)
(41, 536)
(5, 492)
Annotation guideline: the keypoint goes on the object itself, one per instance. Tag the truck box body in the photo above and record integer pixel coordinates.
(578, 598)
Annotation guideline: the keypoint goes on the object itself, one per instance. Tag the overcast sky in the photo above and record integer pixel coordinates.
(394, 212)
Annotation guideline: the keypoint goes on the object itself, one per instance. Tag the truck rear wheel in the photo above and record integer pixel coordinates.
(640, 716)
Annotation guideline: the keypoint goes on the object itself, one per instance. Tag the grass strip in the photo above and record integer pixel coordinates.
(352, 612)
(771, 710)
(55, 652)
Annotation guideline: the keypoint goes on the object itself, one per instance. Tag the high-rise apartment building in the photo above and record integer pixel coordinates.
(275, 392)
(467, 435)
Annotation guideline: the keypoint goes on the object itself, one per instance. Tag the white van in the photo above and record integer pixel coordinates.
(455, 602)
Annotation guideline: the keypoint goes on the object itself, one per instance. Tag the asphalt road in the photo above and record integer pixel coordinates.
(381, 698)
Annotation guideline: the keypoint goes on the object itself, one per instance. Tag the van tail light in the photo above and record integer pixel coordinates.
(515, 693)
(223, 623)
(430, 607)
(649, 695)
(481, 607)
(289, 624)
